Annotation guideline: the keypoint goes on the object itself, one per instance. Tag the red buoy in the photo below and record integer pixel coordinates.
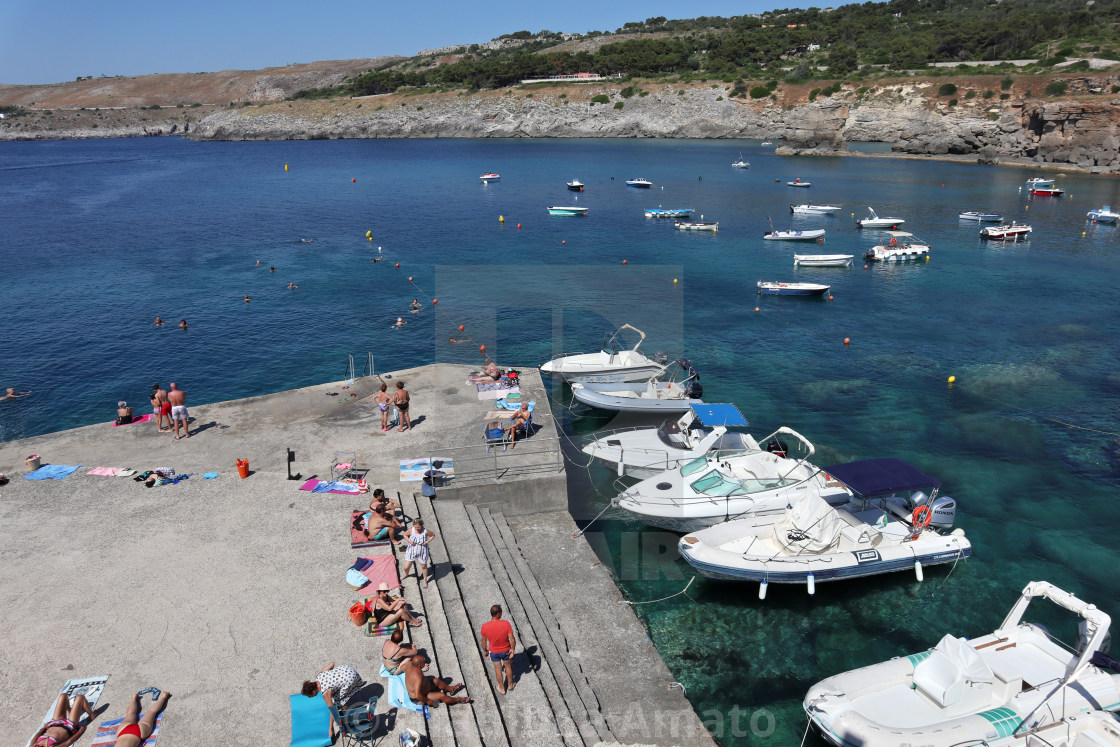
(398, 264)
(460, 327)
(624, 261)
(435, 301)
(847, 340)
(482, 348)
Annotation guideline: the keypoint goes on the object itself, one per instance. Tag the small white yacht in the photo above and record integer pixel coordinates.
(611, 364)
(898, 246)
(1103, 215)
(719, 486)
(814, 209)
(1018, 685)
(674, 390)
(874, 221)
(645, 452)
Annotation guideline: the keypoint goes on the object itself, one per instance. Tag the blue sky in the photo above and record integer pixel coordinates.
(51, 42)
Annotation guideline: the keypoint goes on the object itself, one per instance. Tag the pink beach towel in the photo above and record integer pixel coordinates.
(141, 419)
(383, 570)
(310, 485)
(497, 393)
(106, 471)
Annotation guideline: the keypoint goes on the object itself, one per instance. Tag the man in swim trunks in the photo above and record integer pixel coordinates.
(178, 401)
(63, 730)
(134, 729)
(161, 408)
(425, 689)
(401, 400)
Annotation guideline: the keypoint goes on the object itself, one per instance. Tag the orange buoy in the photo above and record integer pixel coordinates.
(435, 301)
(519, 225)
(410, 278)
(865, 267)
(460, 327)
(398, 264)
(847, 340)
(482, 348)
(624, 261)
(353, 180)
(829, 296)
(756, 309)
(563, 242)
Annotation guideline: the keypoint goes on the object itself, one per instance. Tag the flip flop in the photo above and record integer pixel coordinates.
(126, 473)
(416, 624)
(155, 691)
(457, 688)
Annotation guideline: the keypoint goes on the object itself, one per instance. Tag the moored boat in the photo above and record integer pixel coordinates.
(874, 221)
(740, 164)
(575, 185)
(822, 260)
(764, 143)
(1038, 181)
(981, 217)
(1103, 215)
(775, 288)
(813, 209)
(810, 235)
(674, 390)
(612, 363)
(674, 213)
(897, 246)
(798, 183)
(1010, 687)
(1005, 232)
(1047, 191)
(490, 177)
(693, 225)
(639, 182)
(569, 210)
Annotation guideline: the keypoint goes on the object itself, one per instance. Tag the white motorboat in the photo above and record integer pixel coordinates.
(776, 288)
(981, 217)
(1103, 215)
(696, 225)
(1039, 182)
(575, 185)
(567, 210)
(1014, 686)
(490, 177)
(719, 487)
(639, 182)
(674, 213)
(1005, 232)
(812, 541)
(611, 364)
(740, 164)
(675, 390)
(898, 246)
(645, 452)
(813, 209)
(874, 221)
(798, 183)
(822, 260)
(811, 235)
(764, 143)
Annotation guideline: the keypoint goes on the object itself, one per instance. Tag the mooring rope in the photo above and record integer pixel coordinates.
(624, 602)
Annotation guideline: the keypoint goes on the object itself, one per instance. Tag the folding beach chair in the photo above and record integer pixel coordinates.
(494, 435)
(311, 721)
(343, 466)
(359, 724)
(525, 428)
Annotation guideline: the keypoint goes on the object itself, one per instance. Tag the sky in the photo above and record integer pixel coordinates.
(51, 42)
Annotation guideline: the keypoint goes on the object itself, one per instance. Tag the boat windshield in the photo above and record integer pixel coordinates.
(715, 483)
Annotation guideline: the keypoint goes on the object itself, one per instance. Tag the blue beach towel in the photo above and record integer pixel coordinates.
(397, 693)
(330, 487)
(311, 721)
(503, 405)
(52, 472)
(210, 475)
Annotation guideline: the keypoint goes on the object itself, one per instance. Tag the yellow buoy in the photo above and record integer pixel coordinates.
(285, 167)
(369, 233)
(952, 379)
(1083, 233)
(674, 281)
(501, 219)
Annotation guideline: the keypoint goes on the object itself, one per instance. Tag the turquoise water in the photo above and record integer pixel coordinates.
(103, 236)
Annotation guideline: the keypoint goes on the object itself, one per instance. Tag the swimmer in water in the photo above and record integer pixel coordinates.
(400, 322)
(182, 324)
(247, 299)
(12, 394)
(258, 263)
(453, 341)
(377, 259)
(308, 241)
(292, 286)
(272, 269)
(414, 306)
(159, 321)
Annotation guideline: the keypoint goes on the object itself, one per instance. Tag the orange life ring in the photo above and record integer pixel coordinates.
(894, 242)
(919, 519)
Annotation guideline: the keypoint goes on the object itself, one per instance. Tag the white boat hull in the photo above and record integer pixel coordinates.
(652, 397)
(642, 454)
(589, 371)
(812, 235)
(822, 260)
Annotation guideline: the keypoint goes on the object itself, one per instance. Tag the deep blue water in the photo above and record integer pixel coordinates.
(103, 236)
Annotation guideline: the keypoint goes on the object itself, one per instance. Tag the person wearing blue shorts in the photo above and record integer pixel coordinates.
(498, 643)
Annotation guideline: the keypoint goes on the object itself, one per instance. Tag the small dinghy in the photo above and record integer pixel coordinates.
(822, 260)
(798, 183)
(774, 288)
(675, 390)
(645, 452)
(1017, 686)
(696, 225)
(982, 217)
(675, 213)
(812, 541)
(811, 235)
(814, 209)
(567, 210)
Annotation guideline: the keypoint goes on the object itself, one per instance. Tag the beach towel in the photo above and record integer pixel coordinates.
(141, 419)
(106, 471)
(311, 721)
(372, 631)
(512, 405)
(91, 687)
(486, 394)
(106, 735)
(382, 570)
(52, 472)
(321, 486)
(413, 470)
(210, 476)
(396, 692)
(358, 538)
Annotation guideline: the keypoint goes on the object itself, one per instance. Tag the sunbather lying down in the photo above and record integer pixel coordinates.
(135, 729)
(63, 729)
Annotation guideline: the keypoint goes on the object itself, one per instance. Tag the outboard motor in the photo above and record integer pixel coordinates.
(694, 390)
(776, 447)
(944, 512)
(1084, 635)
(661, 357)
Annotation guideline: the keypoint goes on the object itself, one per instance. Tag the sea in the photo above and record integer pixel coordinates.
(103, 236)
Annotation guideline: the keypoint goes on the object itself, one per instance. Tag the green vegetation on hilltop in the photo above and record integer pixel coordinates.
(898, 35)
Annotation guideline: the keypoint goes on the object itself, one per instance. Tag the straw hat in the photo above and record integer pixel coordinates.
(383, 586)
(122, 403)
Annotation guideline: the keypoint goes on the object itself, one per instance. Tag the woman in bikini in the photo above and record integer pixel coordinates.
(63, 730)
(401, 399)
(387, 610)
(386, 503)
(134, 729)
(384, 399)
(393, 652)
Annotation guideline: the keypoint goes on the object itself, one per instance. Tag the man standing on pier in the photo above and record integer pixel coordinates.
(498, 643)
(164, 408)
(178, 400)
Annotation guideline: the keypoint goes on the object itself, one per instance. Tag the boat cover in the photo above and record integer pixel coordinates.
(810, 525)
(874, 477)
(713, 415)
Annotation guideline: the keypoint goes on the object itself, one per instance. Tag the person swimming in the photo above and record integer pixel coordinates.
(453, 341)
(159, 321)
(182, 324)
(292, 286)
(258, 263)
(272, 269)
(13, 394)
(415, 305)
(247, 299)
(400, 322)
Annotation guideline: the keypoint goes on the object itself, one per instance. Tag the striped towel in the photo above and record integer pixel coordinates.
(106, 735)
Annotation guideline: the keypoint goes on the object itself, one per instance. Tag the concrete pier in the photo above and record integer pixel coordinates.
(230, 592)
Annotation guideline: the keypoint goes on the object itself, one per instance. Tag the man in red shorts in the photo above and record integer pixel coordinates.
(162, 405)
(498, 643)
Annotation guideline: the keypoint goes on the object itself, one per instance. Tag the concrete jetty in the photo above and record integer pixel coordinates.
(230, 592)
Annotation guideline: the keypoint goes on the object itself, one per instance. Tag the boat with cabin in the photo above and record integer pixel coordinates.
(814, 209)
(644, 452)
(897, 246)
(674, 390)
(639, 182)
(874, 221)
(823, 260)
(1103, 215)
(490, 177)
(575, 185)
(1018, 685)
(890, 524)
(775, 288)
(612, 363)
(568, 210)
(1005, 232)
(674, 213)
(693, 225)
(740, 164)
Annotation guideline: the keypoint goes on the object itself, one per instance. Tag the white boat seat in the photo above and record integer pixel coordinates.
(861, 535)
(943, 674)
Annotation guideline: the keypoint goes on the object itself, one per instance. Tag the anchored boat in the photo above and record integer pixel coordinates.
(645, 452)
(774, 288)
(674, 390)
(897, 246)
(874, 221)
(692, 225)
(575, 185)
(822, 260)
(813, 209)
(639, 182)
(811, 235)
(798, 183)
(740, 164)
(674, 213)
(490, 177)
(611, 364)
(876, 532)
(1006, 232)
(1103, 215)
(1018, 685)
